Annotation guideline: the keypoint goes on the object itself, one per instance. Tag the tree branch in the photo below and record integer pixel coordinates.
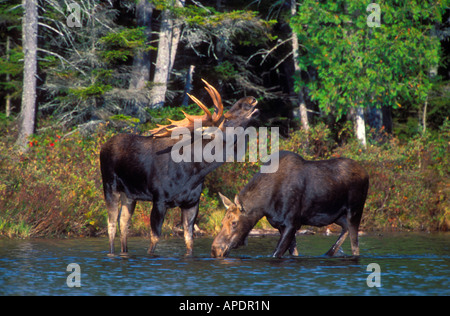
(61, 58)
(266, 52)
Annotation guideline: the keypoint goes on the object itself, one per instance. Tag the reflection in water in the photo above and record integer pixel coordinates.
(410, 264)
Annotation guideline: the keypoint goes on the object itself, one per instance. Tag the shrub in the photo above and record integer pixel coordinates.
(55, 189)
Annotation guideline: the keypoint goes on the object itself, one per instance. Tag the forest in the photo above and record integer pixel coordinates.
(368, 80)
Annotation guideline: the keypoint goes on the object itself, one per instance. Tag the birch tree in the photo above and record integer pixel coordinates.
(169, 37)
(301, 99)
(29, 43)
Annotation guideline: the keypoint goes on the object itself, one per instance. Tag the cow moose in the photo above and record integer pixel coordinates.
(141, 168)
(300, 192)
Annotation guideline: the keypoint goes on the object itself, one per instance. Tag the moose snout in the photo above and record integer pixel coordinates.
(218, 251)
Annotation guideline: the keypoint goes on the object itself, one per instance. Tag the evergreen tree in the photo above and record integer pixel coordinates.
(11, 55)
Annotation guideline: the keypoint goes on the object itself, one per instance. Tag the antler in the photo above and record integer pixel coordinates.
(217, 99)
(207, 119)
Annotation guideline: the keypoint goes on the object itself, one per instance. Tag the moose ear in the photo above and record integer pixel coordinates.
(238, 204)
(225, 201)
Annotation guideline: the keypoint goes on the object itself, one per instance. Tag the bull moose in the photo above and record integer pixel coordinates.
(300, 192)
(137, 167)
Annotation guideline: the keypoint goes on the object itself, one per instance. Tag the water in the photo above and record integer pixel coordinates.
(410, 263)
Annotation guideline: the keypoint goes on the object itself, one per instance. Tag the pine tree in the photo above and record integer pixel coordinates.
(11, 55)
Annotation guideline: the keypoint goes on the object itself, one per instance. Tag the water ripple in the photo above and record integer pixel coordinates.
(418, 265)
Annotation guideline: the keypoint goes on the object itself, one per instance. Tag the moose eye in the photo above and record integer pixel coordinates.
(234, 224)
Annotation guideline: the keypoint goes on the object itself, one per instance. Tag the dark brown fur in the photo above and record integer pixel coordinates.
(301, 192)
(141, 168)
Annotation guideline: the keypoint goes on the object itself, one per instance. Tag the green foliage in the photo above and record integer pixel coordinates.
(95, 90)
(87, 75)
(11, 60)
(13, 65)
(160, 116)
(317, 143)
(408, 183)
(55, 189)
(123, 44)
(360, 66)
(229, 28)
(98, 88)
(226, 71)
(126, 118)
(204, 16)
(438, 104)
(4, 122)
(87, 69)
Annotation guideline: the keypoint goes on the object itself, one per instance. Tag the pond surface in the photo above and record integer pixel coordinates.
(410, 264)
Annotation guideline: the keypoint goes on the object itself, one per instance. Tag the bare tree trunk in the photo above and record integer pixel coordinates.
(140, 73)
(433, 73)
(29, 43)
(188, 85)
(360, 126)
(424, 116)
(8, 78)
(8, 105)
(303, 111)
(169, 37)
(301, 99)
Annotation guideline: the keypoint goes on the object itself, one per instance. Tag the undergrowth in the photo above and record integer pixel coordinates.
(55, 189)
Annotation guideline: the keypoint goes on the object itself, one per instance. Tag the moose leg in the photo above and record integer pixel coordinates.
(338, 243)
(287, 235)
(354, 239)
(353, 226)
(156, 221)
(128, 206)
(342, 221)
(189, 215)
(293, 247)
(112, 204)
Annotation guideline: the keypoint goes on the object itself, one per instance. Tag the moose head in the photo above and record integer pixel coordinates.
(236, 225)
(240, 114)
